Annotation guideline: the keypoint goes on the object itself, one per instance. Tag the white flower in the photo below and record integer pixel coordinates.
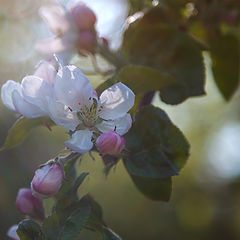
(69, 99)
(31, 97)
(89, 115)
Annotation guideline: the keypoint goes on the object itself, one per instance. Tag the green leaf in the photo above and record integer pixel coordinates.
(108, 234)
(51, 227)
(22, 127)
(29, 230)
(157, 148)
(140, 79)
(164, 47)
(76, 221)
(79, 181)
(155, 189)
(225, 63)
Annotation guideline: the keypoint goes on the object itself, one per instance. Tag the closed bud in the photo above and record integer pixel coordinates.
(86, 41)
(110, 143)
(47, 180)
(83, 16)
(28, 204)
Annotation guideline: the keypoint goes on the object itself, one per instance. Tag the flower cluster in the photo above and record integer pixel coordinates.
(74, 30)
(69, 99)
(64, 94)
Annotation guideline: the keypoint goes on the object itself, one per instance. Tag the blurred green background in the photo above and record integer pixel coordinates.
(206, 195)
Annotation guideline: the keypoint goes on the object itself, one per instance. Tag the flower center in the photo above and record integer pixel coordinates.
(89, 115)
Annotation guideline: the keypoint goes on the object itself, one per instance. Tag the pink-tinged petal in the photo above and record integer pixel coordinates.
(80, 141)
(46, 71)
(73, 88)
(120, 125)
(36, 91)
(116, 101)
(57, 19)
(12, 232)
(6, 93)
(64, 45)
(28, 110)
(62, 116)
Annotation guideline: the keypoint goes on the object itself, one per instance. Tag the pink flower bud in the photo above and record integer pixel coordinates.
(83, 16)
(47, 180)
(28, 204)
(86, 41)
(12, 232)
(111, 143)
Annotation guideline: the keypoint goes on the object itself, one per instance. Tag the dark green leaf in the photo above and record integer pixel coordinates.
(225, 63)
(155, 189)
(76, 221)
(29, 230)
(51, 227)
(169, 50)
(157, 148)
(22, 127)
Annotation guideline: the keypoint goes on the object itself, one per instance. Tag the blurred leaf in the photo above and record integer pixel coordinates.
(155, 189)
(164, 47)
(51, 227)
(225, 63)
(140, 79)
(157, 148)
(22, 127)
(29, 230)
(76, 221)
(137, 5)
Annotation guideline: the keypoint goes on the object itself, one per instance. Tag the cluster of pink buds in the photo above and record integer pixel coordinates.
(85, 20)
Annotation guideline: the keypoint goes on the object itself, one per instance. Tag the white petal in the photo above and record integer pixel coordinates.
(62, 116)
(116, 101)
(36, 91)
(57, 19)
(120, 125)
(80, 142)
(6, 93)
(46, 71)
(12, 232)
(28, 110)
(72, 87)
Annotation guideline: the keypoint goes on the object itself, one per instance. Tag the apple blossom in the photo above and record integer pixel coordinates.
(90, 115)
(12, 232)
(28, 204)
(30, 97)
(47, 180)
(69, 99)
(73, 29)
(110, 143)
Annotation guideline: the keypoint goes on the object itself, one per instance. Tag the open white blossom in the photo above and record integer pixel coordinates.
(69, 99)
(30, 97)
